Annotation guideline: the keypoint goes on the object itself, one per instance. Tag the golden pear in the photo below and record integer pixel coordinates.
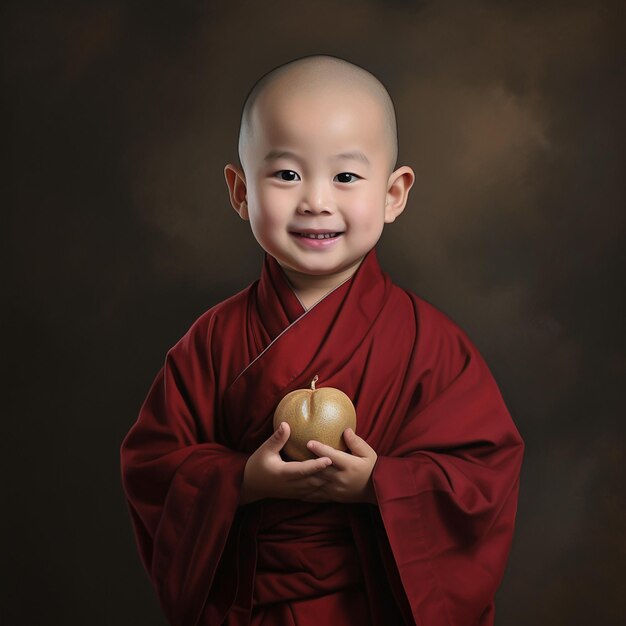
(320, 414)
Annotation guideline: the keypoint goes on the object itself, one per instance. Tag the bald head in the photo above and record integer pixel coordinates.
(321, 74)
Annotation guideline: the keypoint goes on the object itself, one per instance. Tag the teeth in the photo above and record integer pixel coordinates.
(320, 236)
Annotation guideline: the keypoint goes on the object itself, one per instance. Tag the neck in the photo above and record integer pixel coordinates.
(311, 288)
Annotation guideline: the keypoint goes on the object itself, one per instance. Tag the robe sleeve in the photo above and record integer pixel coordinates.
(448, 494)
(182, 487)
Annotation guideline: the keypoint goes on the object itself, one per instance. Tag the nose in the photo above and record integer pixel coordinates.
(317, 198)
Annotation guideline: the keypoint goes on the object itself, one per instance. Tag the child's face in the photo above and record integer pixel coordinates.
(319, 162)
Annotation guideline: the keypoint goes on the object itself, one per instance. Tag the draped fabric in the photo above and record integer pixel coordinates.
(431, 551)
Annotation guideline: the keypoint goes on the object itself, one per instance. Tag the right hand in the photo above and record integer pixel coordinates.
(266, 475)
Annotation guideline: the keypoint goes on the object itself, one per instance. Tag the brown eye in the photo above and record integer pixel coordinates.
(288, 175)
(342, 177)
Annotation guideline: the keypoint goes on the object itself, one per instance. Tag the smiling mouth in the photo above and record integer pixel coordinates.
(317, 235)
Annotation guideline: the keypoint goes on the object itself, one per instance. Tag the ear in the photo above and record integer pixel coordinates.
(400, 181)
(237, 191)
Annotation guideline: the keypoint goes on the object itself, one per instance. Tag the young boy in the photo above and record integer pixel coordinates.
(413, 524)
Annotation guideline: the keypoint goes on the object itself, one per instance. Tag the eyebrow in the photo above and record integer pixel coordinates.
(355, 155)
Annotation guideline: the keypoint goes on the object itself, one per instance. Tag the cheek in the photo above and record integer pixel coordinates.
(367, 213)
(273, 198)
(271, 210)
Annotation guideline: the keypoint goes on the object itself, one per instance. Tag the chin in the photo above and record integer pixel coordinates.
(312, 269)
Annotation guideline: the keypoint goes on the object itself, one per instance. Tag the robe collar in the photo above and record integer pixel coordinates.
(279, 306)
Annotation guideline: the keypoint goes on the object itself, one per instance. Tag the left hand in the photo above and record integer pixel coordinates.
(349, 478)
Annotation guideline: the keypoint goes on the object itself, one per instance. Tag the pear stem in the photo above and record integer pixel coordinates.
(313, 382)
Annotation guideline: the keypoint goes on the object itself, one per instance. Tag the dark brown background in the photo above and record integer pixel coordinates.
(119, 232)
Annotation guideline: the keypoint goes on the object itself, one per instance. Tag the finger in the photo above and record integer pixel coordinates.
(278, 439)
(330, 472)
(307, 484)
(357, 445)
(338, 457)
(316, 481)
(301, 469)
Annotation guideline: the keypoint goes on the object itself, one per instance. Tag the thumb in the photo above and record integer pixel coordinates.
(359, 446)
(279, 438)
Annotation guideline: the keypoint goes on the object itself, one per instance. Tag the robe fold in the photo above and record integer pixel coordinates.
(430, 552)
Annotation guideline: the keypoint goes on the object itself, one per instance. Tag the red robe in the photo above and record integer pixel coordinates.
(431, 552)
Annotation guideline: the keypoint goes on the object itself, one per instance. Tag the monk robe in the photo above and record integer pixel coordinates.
(431, 551)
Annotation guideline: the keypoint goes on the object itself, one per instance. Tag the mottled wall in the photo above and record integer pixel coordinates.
(121, 117)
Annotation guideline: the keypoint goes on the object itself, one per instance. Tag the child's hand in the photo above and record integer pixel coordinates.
(266, 475)
(349, 477)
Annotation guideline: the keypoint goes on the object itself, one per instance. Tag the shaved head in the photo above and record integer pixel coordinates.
(320, 74)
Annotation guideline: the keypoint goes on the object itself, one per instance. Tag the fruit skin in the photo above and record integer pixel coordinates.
(320, 414)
